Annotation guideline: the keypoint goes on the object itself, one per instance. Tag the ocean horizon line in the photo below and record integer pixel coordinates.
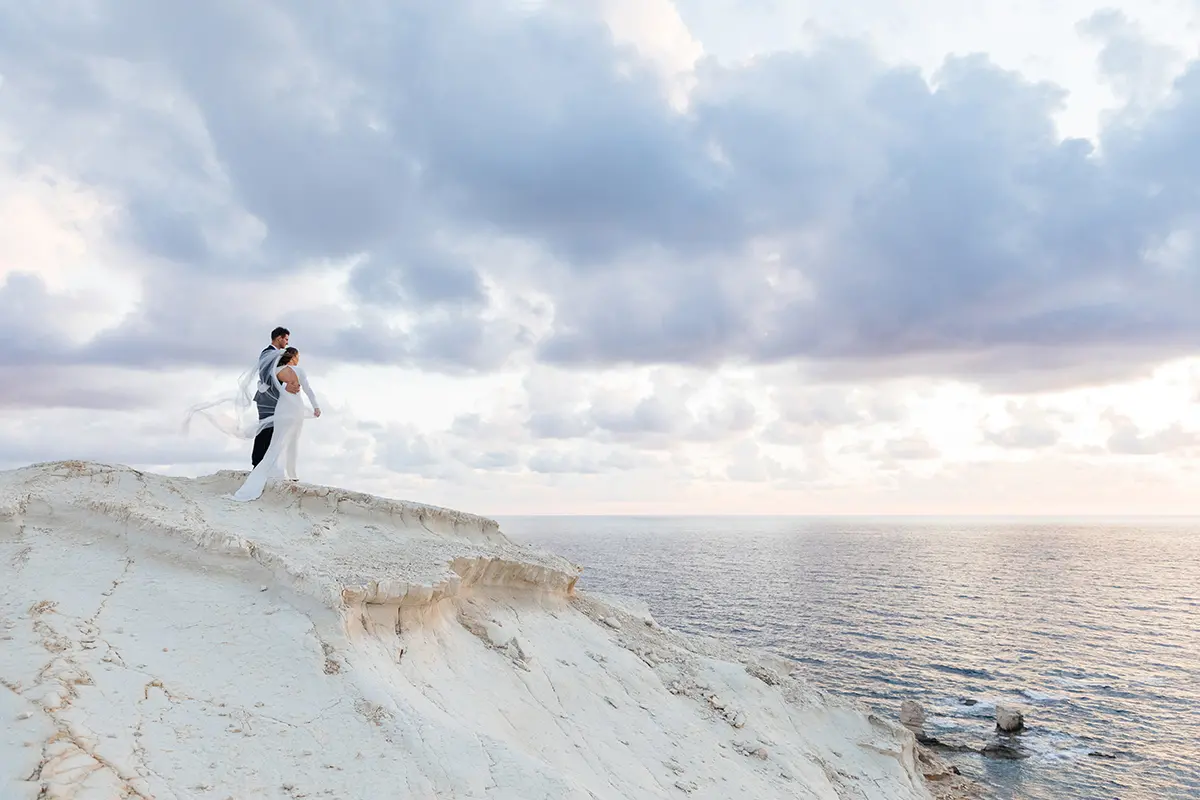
(831, 516)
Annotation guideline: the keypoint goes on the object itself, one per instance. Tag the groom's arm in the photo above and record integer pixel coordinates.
(289, 380)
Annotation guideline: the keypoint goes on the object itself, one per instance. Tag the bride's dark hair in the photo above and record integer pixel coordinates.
(287, 356)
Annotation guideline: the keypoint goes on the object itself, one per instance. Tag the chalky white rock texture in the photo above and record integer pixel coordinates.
(157, 641)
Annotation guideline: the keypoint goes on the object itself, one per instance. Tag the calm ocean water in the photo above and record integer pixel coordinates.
(1091, 627)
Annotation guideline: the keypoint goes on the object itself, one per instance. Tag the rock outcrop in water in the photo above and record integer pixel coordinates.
(912, 716)
(160, 642)
(1009, 720)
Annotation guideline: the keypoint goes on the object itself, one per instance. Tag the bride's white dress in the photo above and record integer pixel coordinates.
(280, 458)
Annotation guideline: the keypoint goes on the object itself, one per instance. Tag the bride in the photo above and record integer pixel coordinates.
(288, 419)
(279, 373)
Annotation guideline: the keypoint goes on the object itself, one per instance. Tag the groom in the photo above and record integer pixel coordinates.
(266, 400)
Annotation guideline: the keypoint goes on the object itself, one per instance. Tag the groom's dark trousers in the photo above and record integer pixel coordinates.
(266, 407)
(263, 440)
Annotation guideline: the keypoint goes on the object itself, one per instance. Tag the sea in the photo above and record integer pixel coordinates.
(1090, 627)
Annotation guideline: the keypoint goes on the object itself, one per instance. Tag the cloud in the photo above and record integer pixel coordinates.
(952, 233)
(806, 413)
(1128, 439)
(833, 406)
(650, 416)
(558, 425)
(735, 416)
(32, 324)
(54, 434)
(748, 463)
(615, 253)
(909, 448)
(491, 460)
(421, 279)
(95, 389)
(1139, 70)
(404, 449)
(485, 445)
(599, 462)
(1033, 427)
(186, 319)
(653, 409)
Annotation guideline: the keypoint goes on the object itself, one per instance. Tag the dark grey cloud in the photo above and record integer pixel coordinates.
(985, 232)
(185, 318)
(182, 319)
(660, 313)
(166, 231)
(219, 119)
(34, 326)
(461, 340)
(916, 227)
(525, 124)
(420, 278)
(957, 228)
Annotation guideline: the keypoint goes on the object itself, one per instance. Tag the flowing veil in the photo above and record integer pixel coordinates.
(237, 414)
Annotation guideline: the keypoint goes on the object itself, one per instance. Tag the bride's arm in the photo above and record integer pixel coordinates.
(312, 397)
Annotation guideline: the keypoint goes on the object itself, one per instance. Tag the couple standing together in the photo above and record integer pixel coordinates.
(281, 415)
(272, 389)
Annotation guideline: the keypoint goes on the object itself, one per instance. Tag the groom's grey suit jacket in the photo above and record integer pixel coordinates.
(266, 401)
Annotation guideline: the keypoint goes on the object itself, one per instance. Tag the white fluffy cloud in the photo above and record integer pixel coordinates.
(614, 256)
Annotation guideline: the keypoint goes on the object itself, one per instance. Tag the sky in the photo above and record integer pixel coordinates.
(617, 256)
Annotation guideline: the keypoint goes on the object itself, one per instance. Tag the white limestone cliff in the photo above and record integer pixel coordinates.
(157, 641)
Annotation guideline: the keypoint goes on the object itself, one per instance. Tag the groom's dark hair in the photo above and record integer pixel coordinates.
(280, 331)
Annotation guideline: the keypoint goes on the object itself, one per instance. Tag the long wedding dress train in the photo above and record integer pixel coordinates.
(280, 458)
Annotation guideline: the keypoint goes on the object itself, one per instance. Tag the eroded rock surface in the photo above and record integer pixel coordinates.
(161, 642)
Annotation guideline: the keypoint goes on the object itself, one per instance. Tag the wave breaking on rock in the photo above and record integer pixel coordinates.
(159, 641)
